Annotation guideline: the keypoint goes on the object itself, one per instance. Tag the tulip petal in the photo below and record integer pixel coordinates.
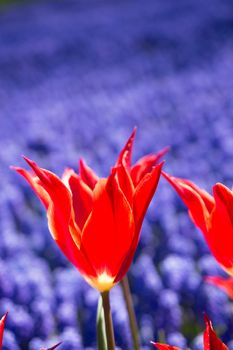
(220, 235)
(60, 216)
(2, 324)
(125, 156)
(164, 346)
(35, 183)
(68, 172)
(109, 229)
(87, 174)
(144, 165)
(81, 198)
(225, 284)
(144, 193)
(125, 183)
(142, 197)
(193, 199)
(97, 235)
(206, 197)
(123, 221)
(226, 197)
(211, 341)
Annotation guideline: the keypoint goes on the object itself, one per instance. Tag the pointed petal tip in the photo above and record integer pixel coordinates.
(87, 174)
(166, 148)
(156, 345)
(82, 165)
(218, 279)
(19, 169)
(55, 346)
(40, 172)
(81, 161)
(134, 131)
(208, 328)
(24, 157)
(216, 186)
(13, 167)
(163, 151)
(31, 162)
(4, 317)
(126, 152)
(159, 166)
(68, 172)
(162, 346)
(129, 143)
(206, 319)
(28, 160)
(211, 279)
(219, 186)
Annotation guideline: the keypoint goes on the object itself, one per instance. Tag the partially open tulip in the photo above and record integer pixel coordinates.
(2, 324)
(96, 221)
(226, 284)
(210, 340)
(212, 214)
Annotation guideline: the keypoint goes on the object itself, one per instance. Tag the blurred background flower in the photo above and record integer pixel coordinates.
(75, 77)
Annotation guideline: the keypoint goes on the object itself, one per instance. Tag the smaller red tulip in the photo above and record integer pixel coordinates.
(225, 284)
(2, 325)
(210, 339)
(213, 215)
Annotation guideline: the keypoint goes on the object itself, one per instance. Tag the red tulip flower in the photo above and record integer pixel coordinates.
(96, 221)
(2, 325)
(226, 284)
(210, 339)
(212, 214)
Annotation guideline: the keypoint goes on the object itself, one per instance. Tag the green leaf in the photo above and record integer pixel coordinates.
(100, 327)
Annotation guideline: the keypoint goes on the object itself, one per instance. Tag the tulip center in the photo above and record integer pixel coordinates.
(228, 270)
(103, 282)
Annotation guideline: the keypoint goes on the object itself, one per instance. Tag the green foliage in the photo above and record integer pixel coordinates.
(4, 3)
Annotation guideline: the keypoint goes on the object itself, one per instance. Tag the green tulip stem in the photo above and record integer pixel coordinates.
(131, 313)
(108, 320)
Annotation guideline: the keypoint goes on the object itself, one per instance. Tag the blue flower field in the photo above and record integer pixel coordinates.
(75, 77)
